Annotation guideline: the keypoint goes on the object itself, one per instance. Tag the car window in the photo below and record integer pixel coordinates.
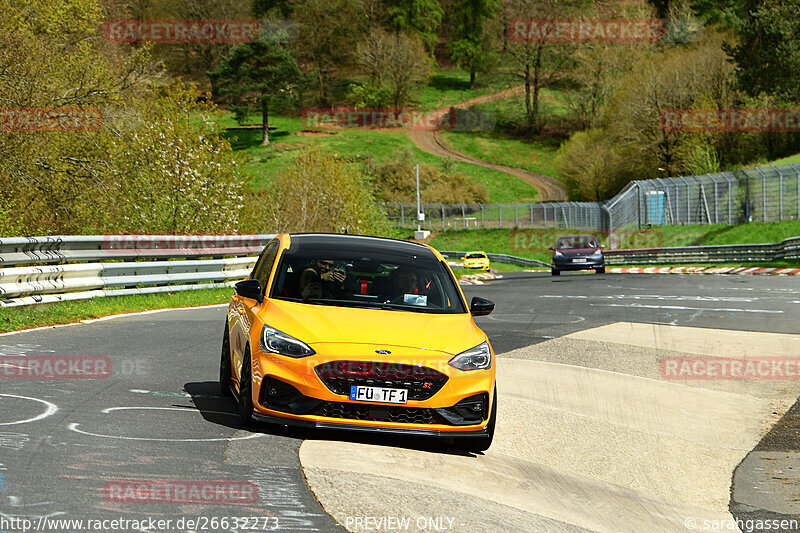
(476, 256)
(345, 278)
(571, 243)
(264, 266)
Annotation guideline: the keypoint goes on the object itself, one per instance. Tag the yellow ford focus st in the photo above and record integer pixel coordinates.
(361, 333)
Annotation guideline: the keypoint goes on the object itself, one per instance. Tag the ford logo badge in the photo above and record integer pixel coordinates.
(383, 352)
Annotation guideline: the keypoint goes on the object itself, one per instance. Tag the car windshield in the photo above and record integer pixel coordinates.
(371, 278)
(581, 241)
(476, 256)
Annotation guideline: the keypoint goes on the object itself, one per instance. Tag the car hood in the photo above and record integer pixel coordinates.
(312, 324)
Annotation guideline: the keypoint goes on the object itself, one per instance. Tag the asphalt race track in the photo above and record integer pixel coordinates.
(590, 436)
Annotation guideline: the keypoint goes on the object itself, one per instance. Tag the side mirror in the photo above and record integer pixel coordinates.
(602, 246)
(250, 288)
(464, 258)
(481, 306)
(552, 249)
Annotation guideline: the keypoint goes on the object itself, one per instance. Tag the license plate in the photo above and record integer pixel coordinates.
(579, 260)
(378, 394)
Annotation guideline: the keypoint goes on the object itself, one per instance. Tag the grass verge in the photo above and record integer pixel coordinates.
(293, 133)
(13, 319)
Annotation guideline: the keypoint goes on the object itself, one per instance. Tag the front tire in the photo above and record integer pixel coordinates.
(245, 392)
(225, 380)
(601, 270)
(481, 444)
(555, 272)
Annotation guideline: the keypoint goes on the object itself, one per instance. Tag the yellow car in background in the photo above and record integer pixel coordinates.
(359, 333)
(476, 259)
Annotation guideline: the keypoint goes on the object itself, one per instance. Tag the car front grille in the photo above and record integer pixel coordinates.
(421, 382)
(379, 413)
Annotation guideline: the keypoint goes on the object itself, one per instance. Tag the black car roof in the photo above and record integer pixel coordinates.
(358, 242)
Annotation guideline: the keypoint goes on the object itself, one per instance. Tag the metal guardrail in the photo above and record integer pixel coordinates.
(67, 249)
(175, 268)
(788, 249)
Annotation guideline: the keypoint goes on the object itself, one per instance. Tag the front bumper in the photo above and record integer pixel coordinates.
(290, 391)
(567, 264)
(388, 430)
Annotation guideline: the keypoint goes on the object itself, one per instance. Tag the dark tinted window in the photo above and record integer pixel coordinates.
(266, 261)
(352, 274)
(580, 241)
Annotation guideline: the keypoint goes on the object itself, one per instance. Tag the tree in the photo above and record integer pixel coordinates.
(175, 173)
(418, 16)
(328, 37)
(591, 166)
(260, 77)
(318, 193)
(538, 62)
(395, 63)
(471, 48)
(768, 54)
(700, 77)
(598, 68)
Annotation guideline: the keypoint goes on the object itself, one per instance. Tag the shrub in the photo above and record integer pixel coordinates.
(317, 193)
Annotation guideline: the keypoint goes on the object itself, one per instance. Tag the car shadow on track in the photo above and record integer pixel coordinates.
(222, 411)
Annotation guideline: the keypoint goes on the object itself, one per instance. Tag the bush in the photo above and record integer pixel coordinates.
(317, 193)
(395, 180)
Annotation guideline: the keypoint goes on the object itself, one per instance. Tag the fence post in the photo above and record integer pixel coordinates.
(443, 217)
(463, 214)
(763, 191)
(797, 171)
(483, 222)
(402, 216)
(780, 174)
(516, 214)
(531, 206)
(639, 203)
(501, 214)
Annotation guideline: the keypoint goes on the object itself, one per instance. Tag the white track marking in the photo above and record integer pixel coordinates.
(74, 427)
(51, 409)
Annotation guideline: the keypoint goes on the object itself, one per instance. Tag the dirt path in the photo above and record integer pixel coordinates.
(550, 189)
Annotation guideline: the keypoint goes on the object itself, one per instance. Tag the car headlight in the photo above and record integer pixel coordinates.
(477, 358)
(276, 341)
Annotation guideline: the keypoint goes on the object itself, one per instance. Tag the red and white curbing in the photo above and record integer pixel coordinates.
(479, 278)
(741, 271)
